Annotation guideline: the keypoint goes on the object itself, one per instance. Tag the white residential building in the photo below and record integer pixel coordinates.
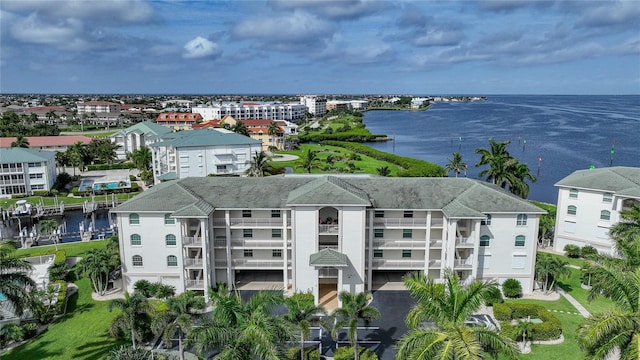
(24, 170)
(589, 204)
(136, 136)
(315, 105)
(201, 153)
(324, 233)
(252, 110)
(97, 107)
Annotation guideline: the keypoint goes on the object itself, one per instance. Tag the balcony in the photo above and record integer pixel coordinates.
(399, 244)
(464, 242)
(400, 222)
(435, 264)
(437, 222)
(436, 244)
(463, 263)
(256, 243)
(251, 222)
(220, 242)
(194, 284)
(12, 182)
(193, 262)
(192, 241)
(327, 273)
(398, 264)
(332, 229)
(259, 264)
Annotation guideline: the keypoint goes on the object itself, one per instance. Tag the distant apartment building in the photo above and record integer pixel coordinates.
(315, 105)
(97, 107)
(359, 104)
(24, 170)
(252, 110)
(178, 120)
(338, 105)
(258, 129)
(50, 143)
(136, 136)
(589, 204)
(180, 103)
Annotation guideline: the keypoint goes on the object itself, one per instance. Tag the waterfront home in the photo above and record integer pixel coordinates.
(24, 170)
(136, 136)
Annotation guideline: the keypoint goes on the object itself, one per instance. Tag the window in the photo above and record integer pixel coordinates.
(605, 215)
(136, 260)
(248, 233)
(408, 214)
(573, 193)
(378, 233)
(485, 261)
(569, 227)
(485, 240)
(522, 220)
(607, 197)
(379, 213)
(275, 213)
(603, 233)
(486, 221)
(276, 233)
(518, 261)
(34, 164)
(572, 210)
(277, 253)
(170, 240)
(35, 176)
(168, 220)
(378, 253)
(136, 240)
(407, 233)
(248, 252)
(134, 219)
(246, 213)
(406, 253)
(520, 240)
(172, 260)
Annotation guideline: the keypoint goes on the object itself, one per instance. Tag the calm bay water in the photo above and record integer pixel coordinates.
(567, 133)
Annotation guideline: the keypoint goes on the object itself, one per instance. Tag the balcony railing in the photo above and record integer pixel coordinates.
(251, 222)
(194, 284)
(435, 244)
(437, 222)
(191, 240)
(190, 262)
(401, 244)
(435, 264)
(400, 222)
(258, 264)
(464, 241)
(256, 243)
(398, 264)
(463, 263)
(328, 229)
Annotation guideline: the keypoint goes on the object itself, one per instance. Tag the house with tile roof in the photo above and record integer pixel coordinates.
(49, 143)
(258, 129)
(589, 204)
(135, 136)
(324, 233)
(24, 170)
(178, 120)
(201, 153)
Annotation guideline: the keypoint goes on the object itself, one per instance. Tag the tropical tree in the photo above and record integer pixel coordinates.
(142, 158)
(626, 235)
(96, 265)
(354, 308)
(124, 352)
(517, 176)
(179, 317)
(274, 130)
(103, 150)
(549, 269)
(383, 171)
(303, 314)
(259, 165)
(51, 115)
(20, 142)
(309, 160)
(240, 128)
(448, 305)
(76, 155)
(14, 276)
(133, 317)
(49, 226)
(523, 328)
(504, 170)
(243, 330)
(456, 164)
(604, 334)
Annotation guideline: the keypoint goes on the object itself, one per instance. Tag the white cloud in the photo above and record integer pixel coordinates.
(65, 33)
(200, 47)
(296, 27)
(109, 11)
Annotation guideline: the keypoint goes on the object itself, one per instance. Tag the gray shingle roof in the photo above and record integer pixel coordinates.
(457, 197)
(620, 180)
(20, 155)
(145, 127)
(328, 257)
(204, 137)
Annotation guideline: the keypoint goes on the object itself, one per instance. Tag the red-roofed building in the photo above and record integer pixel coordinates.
(258, 129)
(51, 143)
(179, 120)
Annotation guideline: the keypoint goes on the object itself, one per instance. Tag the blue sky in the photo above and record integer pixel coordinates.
(320, 47)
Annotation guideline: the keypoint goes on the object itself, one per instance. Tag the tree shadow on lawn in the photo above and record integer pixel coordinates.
(565, 286)
(97, 349)
(74, 308)
(42, 350)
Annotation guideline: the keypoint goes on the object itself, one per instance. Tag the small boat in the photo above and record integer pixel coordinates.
(22, 208)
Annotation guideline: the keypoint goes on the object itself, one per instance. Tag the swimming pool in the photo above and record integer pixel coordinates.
(109, 185)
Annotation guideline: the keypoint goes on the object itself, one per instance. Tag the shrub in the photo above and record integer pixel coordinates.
(588, 252)
(41, 193)
(310, 353)
(143, 287)
(303, 298)
(132, 178)
(346, 353)
(550, 328)
(126, 165)
(495, 297)
(502, 311)
(61, 303)
(512, 288)
(163, 291)
(572, 251)
(29, 329)
(58, 272)
(60, 257)
(76, 191)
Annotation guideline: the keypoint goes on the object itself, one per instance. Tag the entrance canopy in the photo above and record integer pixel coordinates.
(328, 257)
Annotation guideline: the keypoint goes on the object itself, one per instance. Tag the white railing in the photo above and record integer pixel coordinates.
(256, 243)
(435, 263)
(254, 264)
(191, 240)
(463, 263)
(436, 243)
(399, 222)
(266, 222)
(329, 229)
(464, 241)
(400, 264)
(220, 243)
(437, 222)
(193, 262)
(194, 284)
(405, 244)
(221, 263)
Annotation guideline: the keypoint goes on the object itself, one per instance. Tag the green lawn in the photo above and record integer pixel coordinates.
(572, 286)
(80, 334)
(72, 249)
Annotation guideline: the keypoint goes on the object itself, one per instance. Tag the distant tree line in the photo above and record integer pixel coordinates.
(12, 125)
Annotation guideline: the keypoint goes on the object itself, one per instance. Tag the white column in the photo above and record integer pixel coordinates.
(227, 229)
(204, 239)
(475, 237)
(370, 252)
(427, 245)
(285, 255)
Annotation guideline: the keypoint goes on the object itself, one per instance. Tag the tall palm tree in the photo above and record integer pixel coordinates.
(96, 265)
(549, 269)
(50, 226)
(142, 158)
(626, 235)
(274, 130)
(240, 128)
(304, 314)
(456, 164)
(517, 176)
(448, 305)
(601, 335)
(133, 309)
(179, 317)
(309, 160)
(20, 142)
(354, 307)
(498, 159)
(14, 276)
(244, 330)
(259, 165)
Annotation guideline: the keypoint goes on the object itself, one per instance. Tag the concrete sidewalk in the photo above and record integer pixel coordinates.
(575, 303)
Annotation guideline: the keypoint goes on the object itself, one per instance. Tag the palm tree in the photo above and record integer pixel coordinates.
(142, 158)
(304, 314)
(448, 305)
(244, 330)
(259, 165)
(274, 130)
(456, 164)
(179, 317)
(602, 335)
(626, 235)
(517, 176)
(20, 142)
(240, 128)
(14, 276)
(50, 226)
(354, 307)
(308, 160)
(523, 328)
(498, 159)
(96, 265)
(133, 309)
(549, 269)
(383, 171)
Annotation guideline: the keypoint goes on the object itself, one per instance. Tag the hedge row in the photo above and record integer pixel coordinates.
(549, 329)
(354, 135)
(412, 167)
(310, 353)
(126, 165)
(62, 296)
(346, 353)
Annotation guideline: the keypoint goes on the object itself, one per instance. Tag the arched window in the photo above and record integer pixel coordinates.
(605, 215)
(485, 240)
(172, 260)
(572, 210)
(522, 220)
(134, 219)
(136, 260)
(168, 220)
(136, 240)
(170, 240)
(520, 240)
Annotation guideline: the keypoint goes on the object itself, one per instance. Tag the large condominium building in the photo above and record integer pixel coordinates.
(178, 120)
(324, 233)
(97, 107)
(136, 136)
(589, 204)
(252, 110)
(24, 170)
(201, 153)
(315, 105)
